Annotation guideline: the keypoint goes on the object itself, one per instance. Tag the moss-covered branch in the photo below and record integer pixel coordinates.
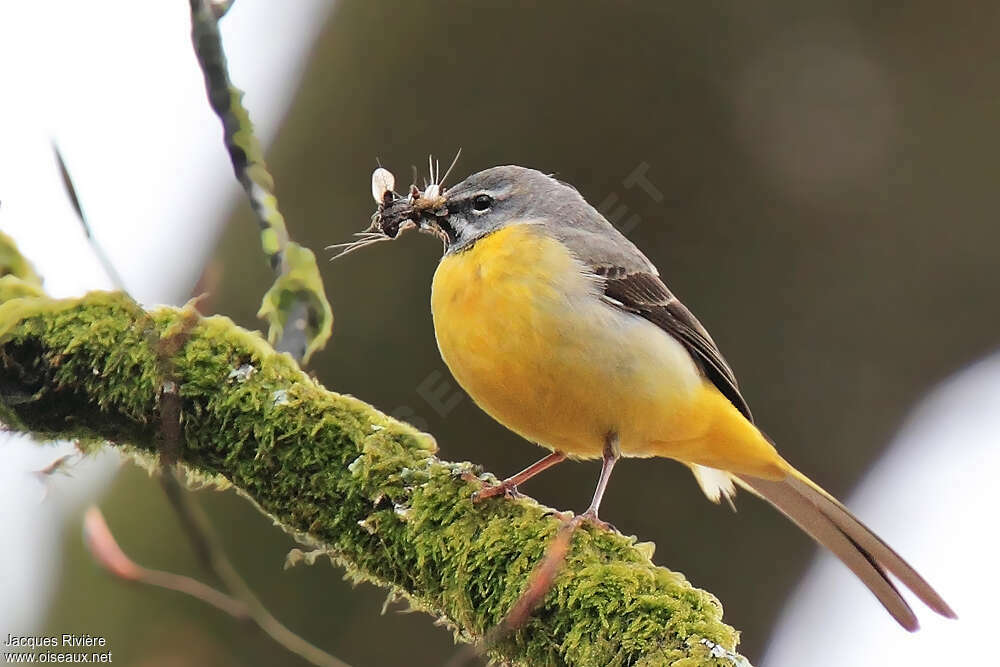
(345, 478)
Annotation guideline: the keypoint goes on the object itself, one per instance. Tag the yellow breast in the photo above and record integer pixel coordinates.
(490, 306)
(522, 329)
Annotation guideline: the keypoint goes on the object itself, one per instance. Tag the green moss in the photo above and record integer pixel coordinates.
(12, 263)
(12, 287)
(345, 478)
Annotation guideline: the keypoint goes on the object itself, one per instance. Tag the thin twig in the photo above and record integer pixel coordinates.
(196, 526)
(105, 549)
(244, 149)
(542, 578)
(74, 199)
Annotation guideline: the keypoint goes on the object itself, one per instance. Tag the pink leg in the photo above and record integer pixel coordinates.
(509, 485)
(607, 465)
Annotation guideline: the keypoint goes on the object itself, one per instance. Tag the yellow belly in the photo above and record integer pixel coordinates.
(523, 331)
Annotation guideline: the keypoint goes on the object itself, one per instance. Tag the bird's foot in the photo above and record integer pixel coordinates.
(590, 516)
(504, 489)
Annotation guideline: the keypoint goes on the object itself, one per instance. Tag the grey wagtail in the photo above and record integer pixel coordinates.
(562, 330)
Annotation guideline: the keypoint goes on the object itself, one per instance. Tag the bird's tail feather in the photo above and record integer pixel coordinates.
(715, 484)
(831, 524)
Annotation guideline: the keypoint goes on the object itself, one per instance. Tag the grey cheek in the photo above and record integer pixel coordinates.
(461, 227)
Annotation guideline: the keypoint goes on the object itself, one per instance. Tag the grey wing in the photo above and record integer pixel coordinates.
(632, 283)
(645, 295)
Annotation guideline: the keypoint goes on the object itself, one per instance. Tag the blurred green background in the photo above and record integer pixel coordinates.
(828, 174)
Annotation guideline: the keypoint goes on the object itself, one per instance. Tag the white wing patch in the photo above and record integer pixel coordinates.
(715, 484)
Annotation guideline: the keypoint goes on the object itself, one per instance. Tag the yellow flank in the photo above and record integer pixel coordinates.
(520, 324)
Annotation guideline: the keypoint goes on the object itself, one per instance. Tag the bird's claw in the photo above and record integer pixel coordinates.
(503, 488)
(590, 516)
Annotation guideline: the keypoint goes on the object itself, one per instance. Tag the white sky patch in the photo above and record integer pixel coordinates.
(116, 84)
(933, 497)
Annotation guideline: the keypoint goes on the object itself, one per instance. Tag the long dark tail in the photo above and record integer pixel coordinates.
(831, 524)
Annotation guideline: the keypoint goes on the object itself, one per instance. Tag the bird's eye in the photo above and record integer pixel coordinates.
(482, 203)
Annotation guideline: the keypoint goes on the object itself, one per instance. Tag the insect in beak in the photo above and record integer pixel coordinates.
(424, 210)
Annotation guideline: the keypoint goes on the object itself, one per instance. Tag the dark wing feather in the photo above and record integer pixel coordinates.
(645, 294)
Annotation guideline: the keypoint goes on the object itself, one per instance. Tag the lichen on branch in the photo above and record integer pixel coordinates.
(347, 479)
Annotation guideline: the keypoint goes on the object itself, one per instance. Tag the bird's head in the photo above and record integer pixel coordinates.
(466, 212)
